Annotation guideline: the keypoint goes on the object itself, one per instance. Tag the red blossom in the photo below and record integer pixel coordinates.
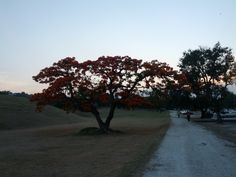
(109, 80)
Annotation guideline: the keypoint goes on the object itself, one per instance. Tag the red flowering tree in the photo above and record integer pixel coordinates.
(109, 80)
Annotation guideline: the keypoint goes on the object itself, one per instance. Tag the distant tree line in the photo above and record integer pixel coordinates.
(18, 94)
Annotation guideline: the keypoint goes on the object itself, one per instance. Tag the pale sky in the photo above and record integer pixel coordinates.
(36, 33)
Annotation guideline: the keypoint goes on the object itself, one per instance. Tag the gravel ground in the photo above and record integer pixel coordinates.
(189, 150)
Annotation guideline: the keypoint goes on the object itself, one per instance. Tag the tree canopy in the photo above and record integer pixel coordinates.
(111, 80)
(209, 71)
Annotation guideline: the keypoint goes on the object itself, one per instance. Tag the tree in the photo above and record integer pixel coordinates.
(174, 95)
(230, 100)
(110, 80)
(209, 72)
(5, 92)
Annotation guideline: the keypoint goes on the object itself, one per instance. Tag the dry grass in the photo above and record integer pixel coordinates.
(19, 113)
(55, 151)
(227, 130)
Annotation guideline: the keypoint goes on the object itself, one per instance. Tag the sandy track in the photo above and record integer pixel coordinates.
(188, 150)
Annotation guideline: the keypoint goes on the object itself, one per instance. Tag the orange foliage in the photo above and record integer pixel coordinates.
(106, 80)
(134, 101)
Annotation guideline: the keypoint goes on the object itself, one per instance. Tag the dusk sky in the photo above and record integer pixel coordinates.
(36, 33)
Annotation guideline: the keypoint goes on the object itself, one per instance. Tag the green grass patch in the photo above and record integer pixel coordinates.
(19, 113)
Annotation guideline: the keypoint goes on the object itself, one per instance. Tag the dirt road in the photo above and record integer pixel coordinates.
(188, 150)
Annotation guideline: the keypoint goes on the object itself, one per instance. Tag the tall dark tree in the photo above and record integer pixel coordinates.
(209, 71)
(230, 100)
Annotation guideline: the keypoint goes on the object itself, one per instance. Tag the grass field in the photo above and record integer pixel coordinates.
(227, 130)
(19, 112)
(56, 150)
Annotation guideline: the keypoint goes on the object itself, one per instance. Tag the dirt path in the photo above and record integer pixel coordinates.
(188, 150)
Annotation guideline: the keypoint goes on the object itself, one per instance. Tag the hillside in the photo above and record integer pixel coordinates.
(19, 112)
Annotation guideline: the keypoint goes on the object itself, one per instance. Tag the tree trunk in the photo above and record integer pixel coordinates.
(101, 124)
(104, 126)
(110, 116)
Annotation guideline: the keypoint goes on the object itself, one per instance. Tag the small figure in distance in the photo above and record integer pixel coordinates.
(178, 113)
(188, 115)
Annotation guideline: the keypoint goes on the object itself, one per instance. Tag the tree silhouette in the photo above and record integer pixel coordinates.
(209, 72)
(109, 80)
